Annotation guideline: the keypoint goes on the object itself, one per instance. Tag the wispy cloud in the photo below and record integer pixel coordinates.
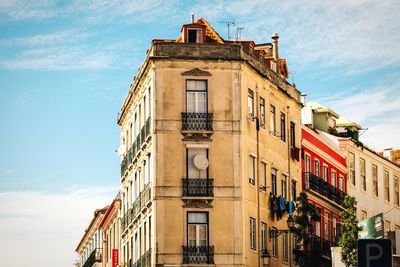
(358, 35)
(25, 9)
(46, 39)
(60, 58)
(377, 109)
(49, 224)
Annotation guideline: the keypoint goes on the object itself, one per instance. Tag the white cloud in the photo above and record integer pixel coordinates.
(359, 35)
(377, 109)
(43, 229)
(45, 39)
(26, 9)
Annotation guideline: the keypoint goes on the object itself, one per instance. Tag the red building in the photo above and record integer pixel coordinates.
(324, 180)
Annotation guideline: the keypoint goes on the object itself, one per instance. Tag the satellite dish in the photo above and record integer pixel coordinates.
(200, 161)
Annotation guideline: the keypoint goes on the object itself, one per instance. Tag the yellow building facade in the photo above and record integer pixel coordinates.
(210, 137)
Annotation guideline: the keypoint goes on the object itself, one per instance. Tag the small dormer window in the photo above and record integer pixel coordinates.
(195, 36)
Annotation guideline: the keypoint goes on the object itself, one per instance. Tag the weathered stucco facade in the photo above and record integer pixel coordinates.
(219, 137)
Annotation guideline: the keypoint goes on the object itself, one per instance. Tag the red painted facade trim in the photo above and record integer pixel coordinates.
(322, 152)
(322, 146)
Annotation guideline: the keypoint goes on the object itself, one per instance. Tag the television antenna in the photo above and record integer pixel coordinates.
(229, 24)
(239, 33)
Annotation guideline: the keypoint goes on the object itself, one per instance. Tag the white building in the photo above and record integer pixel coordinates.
(90, 247)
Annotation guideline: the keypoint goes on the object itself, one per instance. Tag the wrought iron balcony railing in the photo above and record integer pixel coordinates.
(143, 261)
(95, 256)
(140, 139)
(141, 201)
(196, 121)
(323, 245)
(198, 255)
(317, 184)
(198, 187)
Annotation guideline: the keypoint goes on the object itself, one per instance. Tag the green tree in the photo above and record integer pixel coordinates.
(348, 238)
(305, 253)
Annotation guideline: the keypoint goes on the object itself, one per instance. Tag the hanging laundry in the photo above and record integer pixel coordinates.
(291, 207)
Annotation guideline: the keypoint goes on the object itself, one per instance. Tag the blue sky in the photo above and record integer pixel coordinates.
(66, 66)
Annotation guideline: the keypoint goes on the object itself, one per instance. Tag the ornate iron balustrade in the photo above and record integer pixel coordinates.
(323, 245)
(144, 260)
(198, 187)
(142, 136)
(196, 121)
(95, 256)
(141, 201)
(317, 184)
(198, 255)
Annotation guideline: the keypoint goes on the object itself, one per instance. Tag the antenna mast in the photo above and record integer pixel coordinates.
(228, 25)
(239, 33)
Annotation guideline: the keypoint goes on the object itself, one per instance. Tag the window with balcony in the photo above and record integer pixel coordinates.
(326, 173)
(317, 168)
(253, 242)
(196, 116)
(197, 250)
(335, 228)
(262, 112)
(308, 163)
(352, 171)
(327, 228)
(252, 169)
(386, 185)
(375, 180)
(272, 120)
(334, 179)
(341, 183)
(197, 181)
(274, 190)
(283, 127)
(250, 104)
(396, 190)
(196, 96)
(363, 176)
(318, 228)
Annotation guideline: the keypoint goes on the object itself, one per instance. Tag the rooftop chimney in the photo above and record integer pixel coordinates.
(275, 52)
(303, 99)
(387, 153)
(192, 17)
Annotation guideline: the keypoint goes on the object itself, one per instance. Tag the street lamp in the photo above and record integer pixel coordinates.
(277, 232)
(265, 258)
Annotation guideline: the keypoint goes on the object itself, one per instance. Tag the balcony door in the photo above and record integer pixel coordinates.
(196, 96)
(197, 229)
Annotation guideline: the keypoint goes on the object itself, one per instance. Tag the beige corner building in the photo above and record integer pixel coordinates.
(210, 137)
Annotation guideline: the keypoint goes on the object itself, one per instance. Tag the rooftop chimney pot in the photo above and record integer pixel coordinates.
(192, 17)
(275, 50)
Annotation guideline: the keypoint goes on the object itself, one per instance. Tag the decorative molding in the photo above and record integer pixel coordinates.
(196, 72)
(196, 136)
(197, 203)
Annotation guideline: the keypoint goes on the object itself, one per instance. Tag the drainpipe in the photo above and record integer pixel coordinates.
(289, 179)
(258, 179)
